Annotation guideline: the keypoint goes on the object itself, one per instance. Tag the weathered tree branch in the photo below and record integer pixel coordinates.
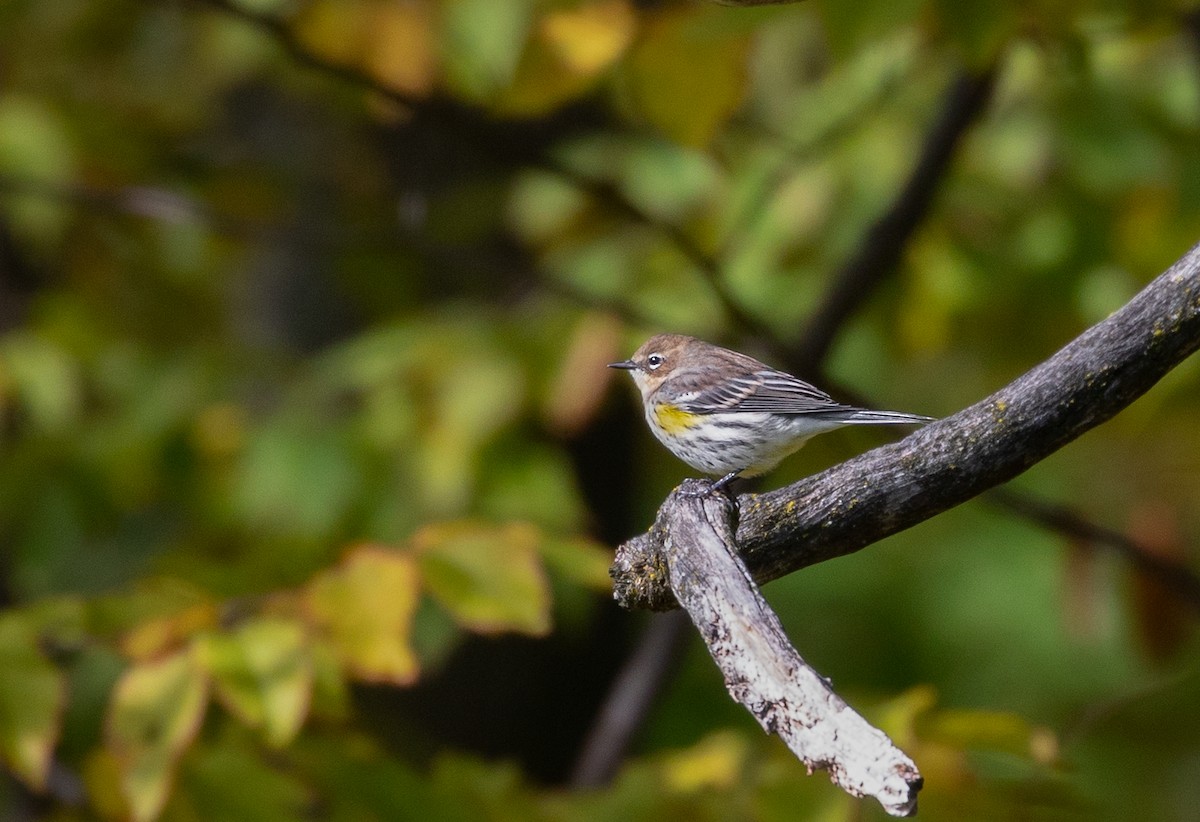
(762, 670)
(949, 461)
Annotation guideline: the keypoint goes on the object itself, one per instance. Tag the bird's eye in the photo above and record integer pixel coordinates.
(654, 360)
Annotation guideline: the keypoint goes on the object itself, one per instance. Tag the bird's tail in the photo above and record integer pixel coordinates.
(863, 416)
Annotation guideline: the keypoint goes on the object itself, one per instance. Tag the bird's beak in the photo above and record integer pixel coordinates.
(625, 365)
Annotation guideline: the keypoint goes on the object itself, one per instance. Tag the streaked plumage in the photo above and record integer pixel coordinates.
(727, 414)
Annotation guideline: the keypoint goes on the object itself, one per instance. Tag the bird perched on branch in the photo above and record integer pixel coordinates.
(729, 415)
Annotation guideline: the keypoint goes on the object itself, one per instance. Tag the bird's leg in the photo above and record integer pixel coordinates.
(723, 482)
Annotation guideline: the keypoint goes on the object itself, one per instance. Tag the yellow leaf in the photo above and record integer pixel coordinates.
(686, 75)
(263, 673)
(589, 38)
(568, 53)
(159, 635)
(31, 699)
(401, 51)
(990, 730)
(365, 605)
(334, 29)
(488, 577)
(154, 715)
(714, 762)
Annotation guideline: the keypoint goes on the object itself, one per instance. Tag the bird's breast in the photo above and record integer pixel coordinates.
(673, 420)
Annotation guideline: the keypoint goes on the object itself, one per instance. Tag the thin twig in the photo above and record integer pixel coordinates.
(1179, 579)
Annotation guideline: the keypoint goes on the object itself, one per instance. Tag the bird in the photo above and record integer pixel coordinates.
(727, 414)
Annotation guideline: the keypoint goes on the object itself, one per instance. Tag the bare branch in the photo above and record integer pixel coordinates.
(896, 486)
(885, 240)
(762, 670)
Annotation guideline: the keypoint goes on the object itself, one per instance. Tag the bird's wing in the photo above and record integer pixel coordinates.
(758, 391)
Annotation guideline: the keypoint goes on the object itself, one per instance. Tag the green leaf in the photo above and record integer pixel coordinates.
(854, 26)
(477, 393)
(297, 477)
(980, 27)
(483, 41)
(330, 694)
(488, 577)
(36, 151)
(263, 673)
(32, 692)
(158, 616)
(579, 559)
(155, 714)
(230, 778)
(365, 605)
(569, 50)
(42, 378)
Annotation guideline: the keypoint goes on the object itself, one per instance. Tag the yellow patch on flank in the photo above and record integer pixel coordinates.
(673, 419)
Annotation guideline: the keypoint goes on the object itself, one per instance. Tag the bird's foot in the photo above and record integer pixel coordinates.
(700, 488)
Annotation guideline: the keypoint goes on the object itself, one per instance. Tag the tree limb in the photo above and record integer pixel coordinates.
(762, 670)
(851, 505)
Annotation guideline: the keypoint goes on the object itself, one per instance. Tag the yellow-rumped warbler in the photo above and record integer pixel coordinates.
(728, 414)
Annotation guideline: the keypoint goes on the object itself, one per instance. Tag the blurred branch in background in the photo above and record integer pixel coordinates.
(1179, 579)
(883, 244)
(637, 685)
(152, 202)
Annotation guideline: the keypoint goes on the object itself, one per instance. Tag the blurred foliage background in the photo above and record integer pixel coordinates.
(310, 469)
